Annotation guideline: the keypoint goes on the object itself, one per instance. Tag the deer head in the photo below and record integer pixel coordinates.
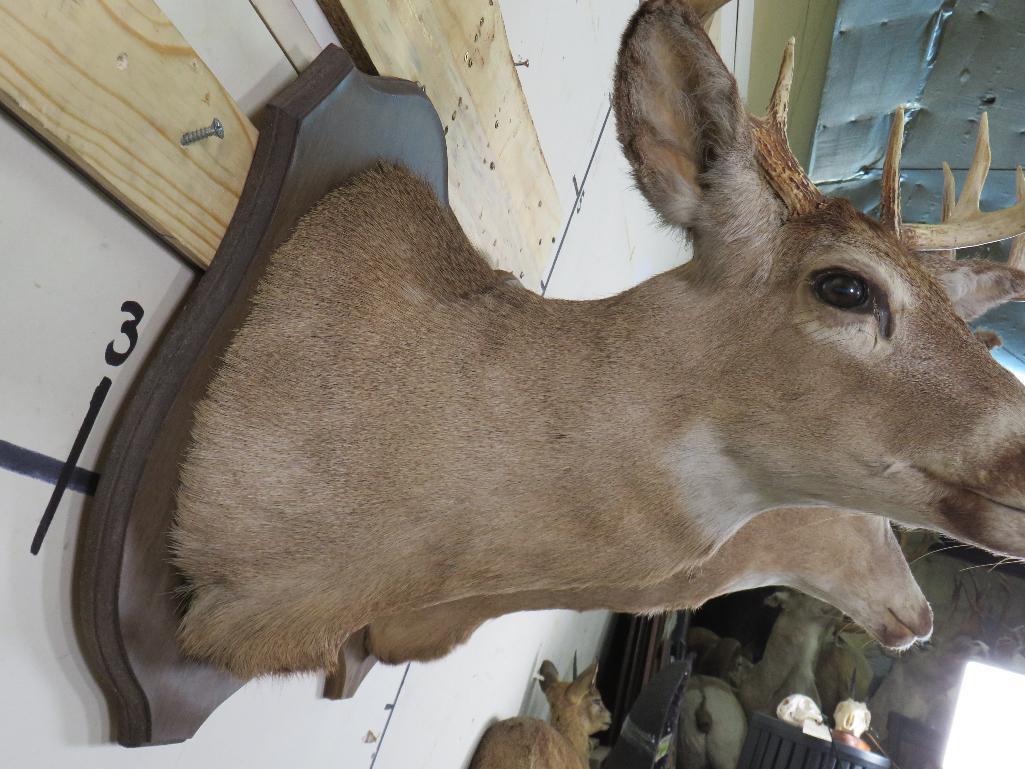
(840, 365)
(849, 560)
(577, 710)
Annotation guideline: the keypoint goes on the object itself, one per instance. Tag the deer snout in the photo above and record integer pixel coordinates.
(993, 519)
(905, 627)
(1002, 478)
(978, 494)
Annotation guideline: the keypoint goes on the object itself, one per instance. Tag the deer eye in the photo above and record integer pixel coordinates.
(841, 289)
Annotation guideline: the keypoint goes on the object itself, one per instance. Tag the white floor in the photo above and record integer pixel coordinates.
(69, 258)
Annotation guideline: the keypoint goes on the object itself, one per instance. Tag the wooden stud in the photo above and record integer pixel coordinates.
(501, 189)
(112, 87)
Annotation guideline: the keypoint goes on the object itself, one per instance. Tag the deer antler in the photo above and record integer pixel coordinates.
(949, 199)
(781, 169)
(889, 203)
(947, 210)
(962, 225)
(965, 225)
(1017, 257)
(705, 8)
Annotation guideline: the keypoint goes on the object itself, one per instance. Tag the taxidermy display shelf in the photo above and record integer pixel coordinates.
(773, 744)
(333, 122)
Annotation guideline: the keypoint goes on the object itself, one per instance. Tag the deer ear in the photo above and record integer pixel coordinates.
(678, 112)
(549, 675)
(975, 285)
(583, 683)
(989, 338)
(778, 599)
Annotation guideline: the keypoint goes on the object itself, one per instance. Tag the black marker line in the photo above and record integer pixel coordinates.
(576, 202)
(391, 709)
(99, 394)
(41, 467)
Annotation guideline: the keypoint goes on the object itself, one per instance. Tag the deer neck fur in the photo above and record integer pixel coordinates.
(576, 735)
(387, 377)
(642, 466)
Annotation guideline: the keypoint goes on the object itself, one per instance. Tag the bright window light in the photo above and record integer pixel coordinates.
(986, 731)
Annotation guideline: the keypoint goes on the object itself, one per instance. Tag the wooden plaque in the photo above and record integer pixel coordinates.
(332, 122)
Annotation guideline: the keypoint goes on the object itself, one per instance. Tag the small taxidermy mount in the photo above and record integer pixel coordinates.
(564, 742)
(369, 420)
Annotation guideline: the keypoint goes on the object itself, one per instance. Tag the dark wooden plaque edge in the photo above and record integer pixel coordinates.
(176, 376)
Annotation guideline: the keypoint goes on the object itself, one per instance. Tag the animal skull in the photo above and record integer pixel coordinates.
(852, 717)
(798, 708)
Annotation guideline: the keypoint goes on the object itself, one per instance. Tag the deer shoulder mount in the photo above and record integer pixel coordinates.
(396, 426)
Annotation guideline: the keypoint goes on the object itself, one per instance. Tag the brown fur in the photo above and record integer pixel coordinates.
(826, 554)
(524, 743)
(395, 426)
(577, 712)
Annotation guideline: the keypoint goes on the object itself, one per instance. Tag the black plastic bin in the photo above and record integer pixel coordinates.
(773, 744)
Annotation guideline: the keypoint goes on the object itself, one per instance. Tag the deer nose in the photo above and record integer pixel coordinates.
(904, 629)
(922, 625)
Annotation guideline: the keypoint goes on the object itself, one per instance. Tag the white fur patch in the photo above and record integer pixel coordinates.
(717, 494)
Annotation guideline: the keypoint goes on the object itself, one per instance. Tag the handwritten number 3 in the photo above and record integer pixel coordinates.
(130, 328)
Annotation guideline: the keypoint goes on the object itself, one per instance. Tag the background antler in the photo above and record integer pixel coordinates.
(965, 225)
(1017, 257)
(889, 203)
(962, 225)
(705, 8)
(949, 199)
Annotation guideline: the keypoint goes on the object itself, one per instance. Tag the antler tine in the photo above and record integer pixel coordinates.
(705, 8)
(779, 102)
(968, 203)
(889, 204)
(967, 225)
(949, 195)
(949, 199)
(775, 157)
(1017, 257)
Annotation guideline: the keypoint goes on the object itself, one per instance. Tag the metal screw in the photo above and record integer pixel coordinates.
(214, 129)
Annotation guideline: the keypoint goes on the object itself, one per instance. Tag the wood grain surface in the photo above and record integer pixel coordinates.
(112, 85)
(500, 187)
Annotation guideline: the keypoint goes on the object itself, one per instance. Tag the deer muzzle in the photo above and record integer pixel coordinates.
(905, 627)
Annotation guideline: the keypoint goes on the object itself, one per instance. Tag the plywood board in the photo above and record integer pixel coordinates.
(112, 86)
(500, 187)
